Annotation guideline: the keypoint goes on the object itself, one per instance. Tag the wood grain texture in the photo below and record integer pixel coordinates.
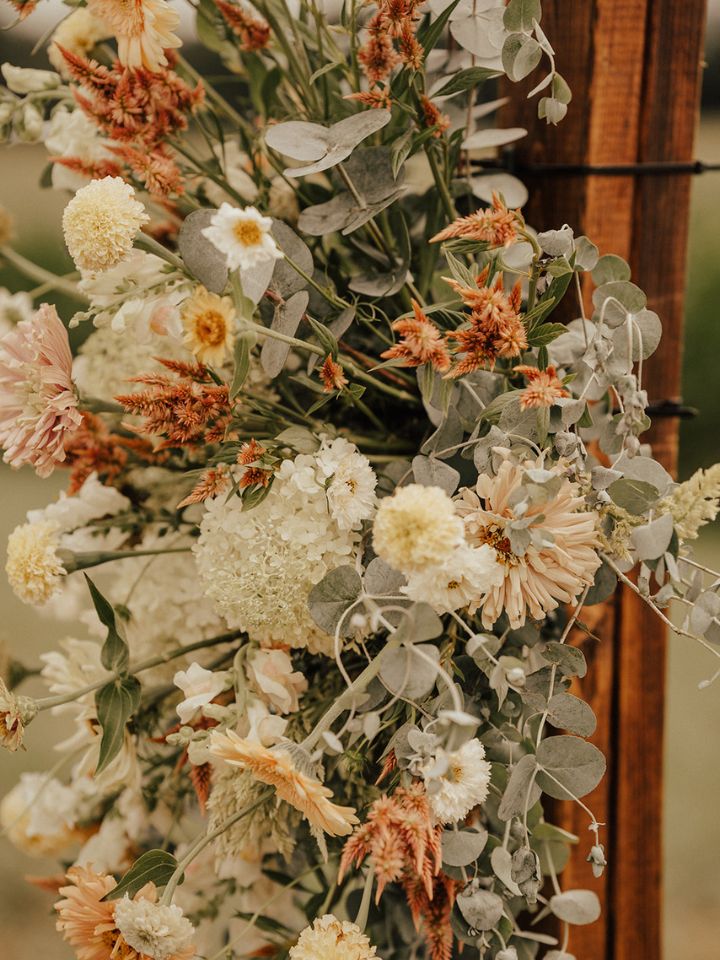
(634, 69)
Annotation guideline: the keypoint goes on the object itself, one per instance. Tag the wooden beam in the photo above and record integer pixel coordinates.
(634, 70)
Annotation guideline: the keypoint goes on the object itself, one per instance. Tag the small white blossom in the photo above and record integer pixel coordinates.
(27, 80)
(200, 686)
(462, 580)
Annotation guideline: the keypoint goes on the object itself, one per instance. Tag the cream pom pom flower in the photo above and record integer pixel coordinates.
(464, 785)
(243, 235)
(143, 29)
(209, 324)
(153, 929)
(38, 401)
(545, 575)
(100, 223)
(34, 569)
(331, 939)
(416, 528)
(275, 767)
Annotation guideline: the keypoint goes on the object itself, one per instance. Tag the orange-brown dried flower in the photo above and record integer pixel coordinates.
(404, 846)
(433, 117)
(214, 480)
(495, 328)
(496, 226)
(189, 411)
(420, 342)
(332, 376)
(253, 32)
(255, 474)
(543, 389)
(94, 449)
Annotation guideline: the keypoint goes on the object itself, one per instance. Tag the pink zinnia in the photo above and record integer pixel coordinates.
(38, 402)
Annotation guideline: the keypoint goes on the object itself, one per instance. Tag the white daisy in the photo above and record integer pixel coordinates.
(464, 785)
(243, 235)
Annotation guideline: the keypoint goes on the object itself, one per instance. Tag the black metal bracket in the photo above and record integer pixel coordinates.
(662, 168)
(671, 408)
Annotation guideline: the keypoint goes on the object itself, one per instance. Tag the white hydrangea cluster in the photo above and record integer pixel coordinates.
(108, 359)
(166, 601)
(259, 565)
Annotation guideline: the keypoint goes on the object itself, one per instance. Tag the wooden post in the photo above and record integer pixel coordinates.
(634, 69)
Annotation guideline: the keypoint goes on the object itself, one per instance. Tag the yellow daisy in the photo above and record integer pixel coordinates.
(209, 324)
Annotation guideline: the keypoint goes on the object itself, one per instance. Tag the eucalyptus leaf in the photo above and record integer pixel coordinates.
(522, 14)
(381, 579)
(521, 791)
(201, 257)
(285, 278)
(501, 862)
(405, 674)
(331, 598)
(462, 847)
(324, 146)
(286, 320)
(635, 496)
(431, 472)
(608, 268)
(576, 906)
(520, 55)
(569, 767)
(569, 712)
(652, 539)
(493, 137)
(481, 909)
(570, 660)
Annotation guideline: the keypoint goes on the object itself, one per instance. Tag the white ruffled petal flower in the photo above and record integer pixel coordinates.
(464, 785)
(153, 929)
(100, 223)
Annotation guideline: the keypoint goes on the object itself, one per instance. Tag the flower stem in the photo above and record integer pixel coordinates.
(346, 699)
(47, 702)
(48, 280)
(203, 840)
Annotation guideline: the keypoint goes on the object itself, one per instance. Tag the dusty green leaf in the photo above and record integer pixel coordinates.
(332, 596)
(154, 866)
(115, 703)
(569, 767)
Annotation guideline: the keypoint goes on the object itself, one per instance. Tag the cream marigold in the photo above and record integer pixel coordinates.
(38, 401)
(275, 767)
(209, 324)
(143, 28)
(545, 575)
(33, 567)
(100, 223)
(153, 929)
(243, 235)
(464, 785)
(331, 939)
(416, 528)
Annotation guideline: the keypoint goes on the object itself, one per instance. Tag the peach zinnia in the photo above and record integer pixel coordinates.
(143, 29)
(89, 924)
(38, 402)
(276, 768)
(538, 580)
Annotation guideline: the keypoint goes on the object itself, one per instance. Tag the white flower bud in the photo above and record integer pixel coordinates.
(25, 80)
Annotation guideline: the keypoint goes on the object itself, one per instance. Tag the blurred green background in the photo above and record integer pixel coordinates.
(692, 747)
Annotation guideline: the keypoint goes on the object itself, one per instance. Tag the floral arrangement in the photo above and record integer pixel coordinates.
(343, 484)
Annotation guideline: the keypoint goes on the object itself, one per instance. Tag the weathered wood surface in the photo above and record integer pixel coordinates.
(634, 69)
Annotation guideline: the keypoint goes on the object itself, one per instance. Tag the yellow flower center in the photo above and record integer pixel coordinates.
(247, 233)
(210, 328)
(500, 543)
